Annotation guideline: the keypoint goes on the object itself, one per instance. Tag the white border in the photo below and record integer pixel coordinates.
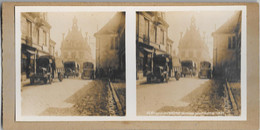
(130, 62)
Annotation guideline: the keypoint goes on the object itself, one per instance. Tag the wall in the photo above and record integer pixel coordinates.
(221, 53)
(106, 53)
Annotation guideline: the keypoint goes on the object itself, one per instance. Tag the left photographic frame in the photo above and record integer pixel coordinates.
(69, 63)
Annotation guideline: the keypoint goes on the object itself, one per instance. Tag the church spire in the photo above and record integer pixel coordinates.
(193, 23)
(75, 23)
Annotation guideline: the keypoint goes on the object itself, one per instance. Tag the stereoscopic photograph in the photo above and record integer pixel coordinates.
(188, 63)
(130, 65)
(72, 64)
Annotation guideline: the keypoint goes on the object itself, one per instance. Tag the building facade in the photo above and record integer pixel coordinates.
(75, 47)
(227, 49)
(35, 40)
(151, 38)
(192, 45)
(110, 46)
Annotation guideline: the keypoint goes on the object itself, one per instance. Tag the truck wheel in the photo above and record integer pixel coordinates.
(60, 77)
(31, 81)
(50, 79)
(45, 80)
(148, 79)
(82, 77)
(166, 78)
(177, 77)
(162, 79)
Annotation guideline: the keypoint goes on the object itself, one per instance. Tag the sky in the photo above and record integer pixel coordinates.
(89, 22)
(206, 21)
(179, 21)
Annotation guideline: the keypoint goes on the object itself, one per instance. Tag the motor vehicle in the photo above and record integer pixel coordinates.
(88, 70)
(46, 70)
(205, 70)
(188, 68)
(160, 69)
(71, 69)
(176, 67)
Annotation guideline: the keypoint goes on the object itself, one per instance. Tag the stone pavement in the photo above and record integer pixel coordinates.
(205, 101)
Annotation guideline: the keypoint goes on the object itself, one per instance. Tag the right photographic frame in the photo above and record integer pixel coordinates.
(191, 62)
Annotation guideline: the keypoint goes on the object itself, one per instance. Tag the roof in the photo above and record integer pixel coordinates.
(192, 39)
(115, 25)
(231, 25)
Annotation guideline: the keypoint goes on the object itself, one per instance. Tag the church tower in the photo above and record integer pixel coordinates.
(74, 46)
(192, 46)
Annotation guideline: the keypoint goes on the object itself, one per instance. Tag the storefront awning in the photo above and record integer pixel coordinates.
(28, 49)
(42, 53)
(160, 52)
(145, 50)
(31, 52)
(148, 50)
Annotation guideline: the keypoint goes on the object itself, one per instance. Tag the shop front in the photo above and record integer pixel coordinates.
(144, 54)
(28, 56)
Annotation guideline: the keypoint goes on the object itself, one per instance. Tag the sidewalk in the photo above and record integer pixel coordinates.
(25, 82)
(141, 81)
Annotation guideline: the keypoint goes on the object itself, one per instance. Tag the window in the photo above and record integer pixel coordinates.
(53, 48)
(167, 48)
(38, 36)
(146, 31)
(162, 37)
(44, 38)
(229, 43)
(234, 42)
(155, 34)
(170, 49)
(50, 50)
(29, 28)
(116, 43)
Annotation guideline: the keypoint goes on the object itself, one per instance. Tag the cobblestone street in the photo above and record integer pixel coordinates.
(72, 97)
(181, 98)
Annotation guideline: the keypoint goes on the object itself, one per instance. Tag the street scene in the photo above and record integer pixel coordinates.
(188, 63)
(73, 64)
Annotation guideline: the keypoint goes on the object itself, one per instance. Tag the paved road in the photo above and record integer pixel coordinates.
(152, 97)
(37, 98)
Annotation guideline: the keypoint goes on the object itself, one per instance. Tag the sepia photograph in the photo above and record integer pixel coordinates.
(72, 64)
(130, 64)
(85, 65)
(188, 63)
